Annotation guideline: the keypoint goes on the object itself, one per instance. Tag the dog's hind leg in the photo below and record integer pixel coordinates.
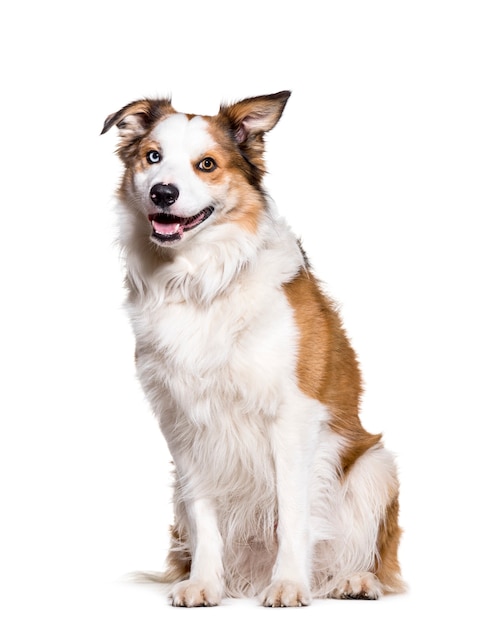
(367, 564)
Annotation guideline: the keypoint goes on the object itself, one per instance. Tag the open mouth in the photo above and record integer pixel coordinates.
(168, 227)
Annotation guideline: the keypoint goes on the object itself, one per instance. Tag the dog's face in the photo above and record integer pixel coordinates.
(185, 172)
(176, 177)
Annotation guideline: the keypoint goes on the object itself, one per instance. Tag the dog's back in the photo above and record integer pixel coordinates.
(279, 490)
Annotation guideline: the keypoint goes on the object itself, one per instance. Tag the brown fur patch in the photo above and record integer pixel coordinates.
(134, 121)
(387, 566)
(244, 124)
(140, 163)
(246, 201)
(178, 563)
(327, 368)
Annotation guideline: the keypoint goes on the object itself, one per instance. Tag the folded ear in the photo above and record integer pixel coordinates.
(255, 116)
(135, 118)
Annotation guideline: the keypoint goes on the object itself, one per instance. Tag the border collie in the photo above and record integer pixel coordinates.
(279, 490)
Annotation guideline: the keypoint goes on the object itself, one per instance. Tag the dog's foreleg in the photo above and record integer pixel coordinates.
(204, 587)
(293, 445)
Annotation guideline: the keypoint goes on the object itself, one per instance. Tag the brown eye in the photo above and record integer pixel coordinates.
(207, 165)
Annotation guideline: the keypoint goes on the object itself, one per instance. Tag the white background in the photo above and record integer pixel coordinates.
(380, 164)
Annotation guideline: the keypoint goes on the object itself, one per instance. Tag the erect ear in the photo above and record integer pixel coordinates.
(135, 118)
(252, 117)
(248, 121)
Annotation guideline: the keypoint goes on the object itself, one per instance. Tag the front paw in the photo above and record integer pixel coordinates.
(195, 593)
(286, 593)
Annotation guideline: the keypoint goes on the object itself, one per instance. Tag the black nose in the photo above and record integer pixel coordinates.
(164, 195)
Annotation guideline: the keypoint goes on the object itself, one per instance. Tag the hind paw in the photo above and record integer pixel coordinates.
(286, 593)
(361, 586)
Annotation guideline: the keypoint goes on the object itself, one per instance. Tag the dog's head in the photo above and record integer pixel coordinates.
(185, 171)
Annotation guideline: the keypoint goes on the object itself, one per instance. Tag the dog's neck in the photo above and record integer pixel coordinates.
(210, 265)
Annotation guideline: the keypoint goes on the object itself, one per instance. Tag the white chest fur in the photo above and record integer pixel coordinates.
(237, 354)
(216, 376)
(215, 332)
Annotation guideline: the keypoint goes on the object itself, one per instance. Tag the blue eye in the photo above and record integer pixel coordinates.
(153, 156)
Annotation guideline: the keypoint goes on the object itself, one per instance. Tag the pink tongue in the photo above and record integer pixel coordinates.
(166, 229)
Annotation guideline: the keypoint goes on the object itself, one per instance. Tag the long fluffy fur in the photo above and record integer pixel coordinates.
(279, 490)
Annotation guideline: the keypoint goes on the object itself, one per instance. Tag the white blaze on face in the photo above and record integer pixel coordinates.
(183, 143)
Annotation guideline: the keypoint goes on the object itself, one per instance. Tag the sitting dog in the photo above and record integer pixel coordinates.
(279, 490)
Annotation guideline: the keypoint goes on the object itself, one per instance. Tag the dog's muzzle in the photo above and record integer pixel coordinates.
(163, 195)
(167, 226)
